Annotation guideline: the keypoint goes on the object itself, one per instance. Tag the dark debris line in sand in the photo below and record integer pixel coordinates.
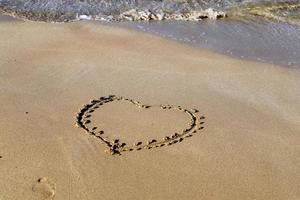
(115, 146)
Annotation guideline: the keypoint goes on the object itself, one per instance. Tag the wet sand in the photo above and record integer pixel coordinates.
(248, 148)
(254, 39)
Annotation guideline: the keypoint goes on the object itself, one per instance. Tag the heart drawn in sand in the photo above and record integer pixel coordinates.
(85, 116)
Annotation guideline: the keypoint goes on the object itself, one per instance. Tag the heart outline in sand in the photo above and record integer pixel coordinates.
(116, 146)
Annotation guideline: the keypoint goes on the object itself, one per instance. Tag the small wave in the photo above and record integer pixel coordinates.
(63, 11)
(130, 15)
(144, 10)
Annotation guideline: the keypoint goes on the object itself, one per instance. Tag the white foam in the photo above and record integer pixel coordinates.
(84, 17)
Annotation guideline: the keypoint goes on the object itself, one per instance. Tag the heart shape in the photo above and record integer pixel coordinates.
(85, 115)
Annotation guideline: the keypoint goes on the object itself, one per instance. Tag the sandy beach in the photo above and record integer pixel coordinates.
(248, 147)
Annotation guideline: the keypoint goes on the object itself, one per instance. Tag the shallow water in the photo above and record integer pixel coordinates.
(276, 43)
(5, 18)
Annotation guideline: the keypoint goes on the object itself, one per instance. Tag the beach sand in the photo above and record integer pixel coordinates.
(248, 148)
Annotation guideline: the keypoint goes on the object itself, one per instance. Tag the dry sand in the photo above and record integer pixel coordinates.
(249, 148)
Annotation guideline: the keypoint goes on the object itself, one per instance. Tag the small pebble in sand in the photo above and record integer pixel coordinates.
(166, 138)
(123, 144)
(138, 144)
(116, 141)
(175, 135)
(195, 110)
(151, 141)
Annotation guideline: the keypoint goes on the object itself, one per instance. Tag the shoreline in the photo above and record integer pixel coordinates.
(227, 37)
(248, 148)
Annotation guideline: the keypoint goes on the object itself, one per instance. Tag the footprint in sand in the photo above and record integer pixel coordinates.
(45, 188)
